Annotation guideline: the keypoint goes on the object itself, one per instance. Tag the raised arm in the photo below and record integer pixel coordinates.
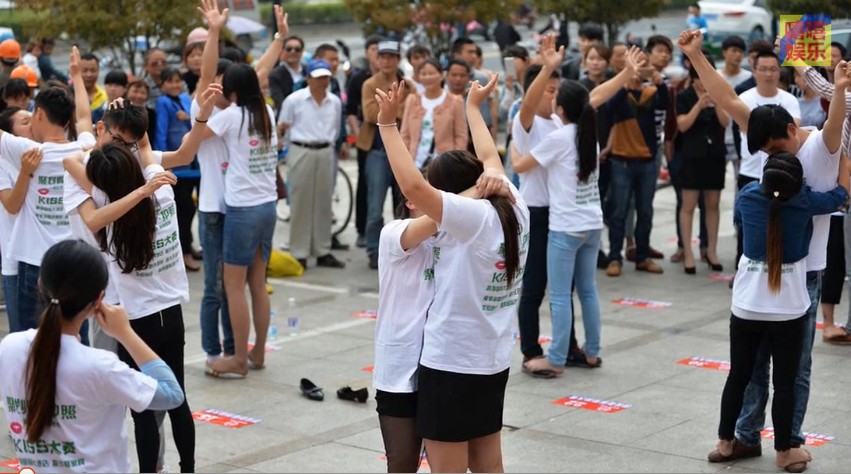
(417, 231)
(273, 52)
(97, 218)
(601, 94)
(552, 59)
(482, 140)
(216, 20)
(719, 89)
(199, 132)
(411, 182)
(13, 199)
(83, 110)
(832, 130)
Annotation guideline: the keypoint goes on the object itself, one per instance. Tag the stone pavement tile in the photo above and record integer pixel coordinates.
(370, 440)
(523, 409)
(328, 457)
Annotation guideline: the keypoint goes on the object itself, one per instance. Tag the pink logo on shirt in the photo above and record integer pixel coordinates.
(224, 165)
(16, 428)
(500, 265)
(254, 142)
(44, 192)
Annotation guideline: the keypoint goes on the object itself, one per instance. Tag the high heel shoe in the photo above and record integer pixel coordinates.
(690, 270)
(716, 267)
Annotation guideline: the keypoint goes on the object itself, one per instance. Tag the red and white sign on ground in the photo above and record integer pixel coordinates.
(366, 314)
(725, 277)
(812, 439)
(640, 303)
(11, 464)
(705, 363)
(223, 418)
(591, 404)
(269, 347)
(369, 368)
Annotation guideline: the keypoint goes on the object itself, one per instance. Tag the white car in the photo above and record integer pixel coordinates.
(749, 19)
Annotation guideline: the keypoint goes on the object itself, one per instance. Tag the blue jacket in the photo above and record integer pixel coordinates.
(170, 130)
(796, 219)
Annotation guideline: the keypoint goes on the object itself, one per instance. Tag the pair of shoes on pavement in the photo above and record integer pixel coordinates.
(329, 261)
(615, 267)
(630, 254)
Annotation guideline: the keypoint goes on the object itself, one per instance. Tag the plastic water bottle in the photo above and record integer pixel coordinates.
(292, 317)
(273, 328)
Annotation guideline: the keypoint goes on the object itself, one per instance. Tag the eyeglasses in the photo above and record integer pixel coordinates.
(769, 70)
(132, 146)
(158, 62)
(293, 49)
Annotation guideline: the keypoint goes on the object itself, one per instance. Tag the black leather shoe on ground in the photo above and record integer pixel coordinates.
(337, 245)
(311, 391)
(740, 451)
(329, 261)
(346, 393)
(373, 261)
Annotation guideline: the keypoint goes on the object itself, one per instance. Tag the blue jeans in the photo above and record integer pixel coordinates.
(572, 258)
(211, 226)
(30, 303)
(379, 178)
(752, 418)
(632, 178)
(534, 283)
(10, 294)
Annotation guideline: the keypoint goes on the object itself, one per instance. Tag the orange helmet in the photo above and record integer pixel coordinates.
(26, 73)
(10, 49)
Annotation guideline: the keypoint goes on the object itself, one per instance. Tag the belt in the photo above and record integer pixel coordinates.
(312, 146)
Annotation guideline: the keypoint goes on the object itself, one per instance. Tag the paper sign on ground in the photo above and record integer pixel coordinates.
(705, 363)
(269, 347)
(370, 369)
(726, 277)
(812, 439)
(640, 303)
(223, 418)
(591, 404)
(11, 464)
(366, 314)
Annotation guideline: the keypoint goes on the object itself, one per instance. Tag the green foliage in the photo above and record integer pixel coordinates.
(112, 23)
(834, 8)
(309, 14)
(610, 13)
(18, 19)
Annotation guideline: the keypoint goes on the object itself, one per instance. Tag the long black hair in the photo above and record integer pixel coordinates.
(456, 171)
(116, 172)
(72, 277)
(782, 178)
(240, 79)
(573, 98)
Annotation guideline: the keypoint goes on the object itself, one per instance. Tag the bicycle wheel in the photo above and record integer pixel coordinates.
(342, 203)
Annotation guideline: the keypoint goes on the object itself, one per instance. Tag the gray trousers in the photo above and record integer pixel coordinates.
(310, 179)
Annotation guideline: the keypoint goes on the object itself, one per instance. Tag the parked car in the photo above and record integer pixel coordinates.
(749, 19)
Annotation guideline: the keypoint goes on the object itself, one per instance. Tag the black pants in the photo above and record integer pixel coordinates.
(164, 333)
(185, 210)
(741, 182)
(834, 274)
(360, 194)
(784, 342)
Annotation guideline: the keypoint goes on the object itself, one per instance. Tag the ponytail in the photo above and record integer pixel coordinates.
(586, 142)
(774, 245)
(510, 234)
(41, 372)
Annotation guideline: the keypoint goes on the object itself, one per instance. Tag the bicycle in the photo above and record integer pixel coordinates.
(342, 201)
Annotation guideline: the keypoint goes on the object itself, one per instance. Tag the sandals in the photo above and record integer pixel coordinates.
(838, 339)
(253, 366)
(538, 374)
(223, 375)
(579, 359)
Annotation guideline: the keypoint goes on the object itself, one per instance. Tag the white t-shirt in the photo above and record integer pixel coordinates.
(821, 168)
(533, 183)
(751, 283)
(92, 390)
(250, 180)
(469, 327)
(41, 222)
(8, 177)
(752, 164)
(163, 284)
(425, 148)
(734, 81)
(574, 206)
(213, 162)
(406, 283)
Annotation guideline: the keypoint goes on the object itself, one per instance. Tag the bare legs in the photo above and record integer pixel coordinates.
(712, 200)
(482, 454)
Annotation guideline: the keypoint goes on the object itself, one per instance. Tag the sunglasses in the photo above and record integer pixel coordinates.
(293, 49)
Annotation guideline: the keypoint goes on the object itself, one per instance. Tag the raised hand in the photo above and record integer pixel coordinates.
(216, 19)
(388, 102)
(691, 42)
(113, 320)
(75, 69)
(281, 19)
(550, 57)
(842, 75)
(479, 94)
(208, 101)
(117, 103)
(635, 59)
(159, 180)
(31, 160)
(493, 183)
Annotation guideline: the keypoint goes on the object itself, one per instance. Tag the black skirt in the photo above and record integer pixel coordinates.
(399, 405)
(453, 407)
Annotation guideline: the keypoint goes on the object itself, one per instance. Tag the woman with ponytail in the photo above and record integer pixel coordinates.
(479, 256)
(770, 296)
(60, 393)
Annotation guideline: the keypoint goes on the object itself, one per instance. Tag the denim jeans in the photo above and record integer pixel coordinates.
(379, 178)
(752, 418)
(211, 227)
(632, 178)
(572, 257)
(10, 294)
(534, 283)
(30, 303)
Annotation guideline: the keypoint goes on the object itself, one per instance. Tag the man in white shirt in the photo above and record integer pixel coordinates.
(312, 118)
(733, 49)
